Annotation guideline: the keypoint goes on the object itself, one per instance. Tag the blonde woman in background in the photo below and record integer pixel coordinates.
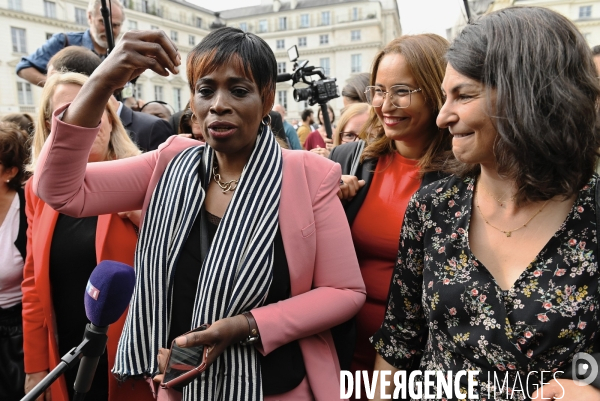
(63, 252)
(350, 124)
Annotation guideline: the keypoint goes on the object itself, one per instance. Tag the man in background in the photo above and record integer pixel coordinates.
(305, 129)
(34, 67)
(290, 132)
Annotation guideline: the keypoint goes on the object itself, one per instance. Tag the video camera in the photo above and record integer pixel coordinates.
(320, 91)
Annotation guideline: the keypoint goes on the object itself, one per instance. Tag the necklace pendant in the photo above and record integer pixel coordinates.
(508, 233)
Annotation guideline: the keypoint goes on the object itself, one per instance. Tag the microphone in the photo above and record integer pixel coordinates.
(284, 77)
(107, 295)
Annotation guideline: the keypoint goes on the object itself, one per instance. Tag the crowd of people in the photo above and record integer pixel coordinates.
(448, 224)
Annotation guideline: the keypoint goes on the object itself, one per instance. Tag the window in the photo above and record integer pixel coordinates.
(138, 91)
(80, 16)
(302, 41)
(282, 98)
(177, 98)
(49, 35)
(19, 44)
(145, 6)
(25, 94)
(154, 27)
(324, 63)
(175, 36)
(325, 18)
(198, 22)
(355, 35)
(50, 9)
(281, 67)
(133, 25)
(244, 26)
(323, 39)
(192, 40)
(585, 12)
(16, 5)
(262, 25)
(356, 64)
(158, 92)
(282, 23)
(280, 43)
(304, 21)
(354, 13)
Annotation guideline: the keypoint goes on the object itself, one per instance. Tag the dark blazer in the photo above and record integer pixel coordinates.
(144, 129)
(343, 155)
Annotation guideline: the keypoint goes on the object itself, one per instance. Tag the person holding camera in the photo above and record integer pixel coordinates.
(497, 268)
(317, 141)
(237, 232)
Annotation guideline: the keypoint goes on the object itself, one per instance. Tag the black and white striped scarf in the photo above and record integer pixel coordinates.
(236, 273)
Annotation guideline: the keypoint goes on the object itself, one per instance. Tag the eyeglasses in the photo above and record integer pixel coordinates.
(399, 95)
(348, 136)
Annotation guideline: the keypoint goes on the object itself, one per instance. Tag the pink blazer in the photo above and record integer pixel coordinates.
(327, 287)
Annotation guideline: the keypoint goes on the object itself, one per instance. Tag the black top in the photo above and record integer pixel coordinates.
(283, 369)
(72, 259)
(467, 320)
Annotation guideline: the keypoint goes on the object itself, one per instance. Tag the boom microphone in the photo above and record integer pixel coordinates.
(107, 295)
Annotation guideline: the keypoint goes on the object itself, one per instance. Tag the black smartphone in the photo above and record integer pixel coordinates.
(185, 364)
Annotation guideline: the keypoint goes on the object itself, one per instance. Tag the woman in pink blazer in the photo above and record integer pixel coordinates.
(237, 233)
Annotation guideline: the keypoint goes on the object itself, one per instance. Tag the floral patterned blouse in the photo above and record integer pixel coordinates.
(446, 308)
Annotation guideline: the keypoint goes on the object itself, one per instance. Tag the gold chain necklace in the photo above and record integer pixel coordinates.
(499, 200)
(508, 233)
(225, 186)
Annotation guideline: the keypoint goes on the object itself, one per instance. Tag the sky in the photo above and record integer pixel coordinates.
(416, 16)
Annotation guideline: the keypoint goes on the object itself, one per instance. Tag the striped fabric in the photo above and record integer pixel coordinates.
(235, 276)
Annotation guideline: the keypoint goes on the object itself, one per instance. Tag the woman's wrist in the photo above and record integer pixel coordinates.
(253, 334)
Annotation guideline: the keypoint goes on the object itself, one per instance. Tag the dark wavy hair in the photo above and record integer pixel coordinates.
(543, 97)
(245, 52)
(14, 152)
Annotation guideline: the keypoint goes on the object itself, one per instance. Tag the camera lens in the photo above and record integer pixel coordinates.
(302, 94)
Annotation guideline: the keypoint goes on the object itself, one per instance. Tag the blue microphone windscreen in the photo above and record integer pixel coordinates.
(108, 292)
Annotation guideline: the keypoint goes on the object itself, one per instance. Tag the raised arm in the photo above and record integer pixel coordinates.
(63, 178)
(137, 51)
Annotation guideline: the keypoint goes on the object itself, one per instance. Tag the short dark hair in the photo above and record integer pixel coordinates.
(355, 87)
(14, 151)
(306, 113)
(246, 52)
(542, 99)
(75, 59)
(596, 50)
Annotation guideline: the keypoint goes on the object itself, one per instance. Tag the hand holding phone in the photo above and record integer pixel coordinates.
(185, 364)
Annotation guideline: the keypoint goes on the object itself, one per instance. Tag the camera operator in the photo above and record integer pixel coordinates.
(33, 68)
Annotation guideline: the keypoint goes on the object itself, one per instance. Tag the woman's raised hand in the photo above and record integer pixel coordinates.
(137, 52)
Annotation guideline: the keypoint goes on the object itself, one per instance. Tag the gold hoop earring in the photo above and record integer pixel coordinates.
(267, 120)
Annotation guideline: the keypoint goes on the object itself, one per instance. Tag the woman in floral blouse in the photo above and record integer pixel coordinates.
(497, 268)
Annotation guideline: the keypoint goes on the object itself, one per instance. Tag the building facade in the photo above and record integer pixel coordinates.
(585, 14)
(341, 36)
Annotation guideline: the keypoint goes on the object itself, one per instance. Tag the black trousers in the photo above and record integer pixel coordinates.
(12, 371)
